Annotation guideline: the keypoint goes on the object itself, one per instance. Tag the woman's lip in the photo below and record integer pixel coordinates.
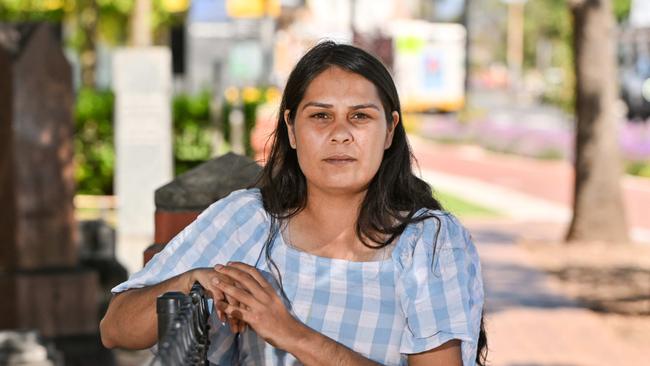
(339, 157)
(339, 160)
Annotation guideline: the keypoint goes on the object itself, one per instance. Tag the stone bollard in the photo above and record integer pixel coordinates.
(180, 201)
(43, 286)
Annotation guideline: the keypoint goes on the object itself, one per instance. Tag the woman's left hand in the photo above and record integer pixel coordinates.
(260, 306)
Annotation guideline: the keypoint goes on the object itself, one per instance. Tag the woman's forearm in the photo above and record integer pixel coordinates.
(131, 319)
(312, 349)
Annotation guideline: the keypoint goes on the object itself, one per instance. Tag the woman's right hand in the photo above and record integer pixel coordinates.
(206, 277)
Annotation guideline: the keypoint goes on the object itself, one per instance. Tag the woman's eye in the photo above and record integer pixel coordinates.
(360, 116)
(319, 115)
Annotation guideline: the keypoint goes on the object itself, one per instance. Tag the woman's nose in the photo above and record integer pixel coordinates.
(341, 133)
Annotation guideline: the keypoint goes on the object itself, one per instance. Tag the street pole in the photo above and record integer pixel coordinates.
(515, 43)
(141, 25)
(353, 10)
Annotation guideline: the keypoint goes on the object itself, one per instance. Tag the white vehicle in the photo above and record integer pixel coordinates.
(429, 65)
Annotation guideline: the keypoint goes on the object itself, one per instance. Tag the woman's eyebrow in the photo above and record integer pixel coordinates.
(317, 104)
(363, 106)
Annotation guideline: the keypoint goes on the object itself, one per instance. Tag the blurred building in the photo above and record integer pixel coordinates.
(634, 61)
(228, 44)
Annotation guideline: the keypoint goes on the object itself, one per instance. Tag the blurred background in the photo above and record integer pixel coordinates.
(113, 111)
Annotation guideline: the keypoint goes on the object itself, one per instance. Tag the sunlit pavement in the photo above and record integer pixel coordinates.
(529, 321)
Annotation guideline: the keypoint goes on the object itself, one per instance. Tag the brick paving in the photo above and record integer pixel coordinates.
(529, 322)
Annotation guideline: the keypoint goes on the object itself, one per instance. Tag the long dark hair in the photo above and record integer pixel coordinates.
(394, 194)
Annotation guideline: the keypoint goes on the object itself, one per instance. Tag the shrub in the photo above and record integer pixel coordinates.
(192, 130)
(94, 155)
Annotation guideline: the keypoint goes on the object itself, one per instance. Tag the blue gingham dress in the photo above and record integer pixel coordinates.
(414, 299)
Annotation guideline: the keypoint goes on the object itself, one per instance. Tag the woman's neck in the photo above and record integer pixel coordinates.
(333, 210)
(327, 225)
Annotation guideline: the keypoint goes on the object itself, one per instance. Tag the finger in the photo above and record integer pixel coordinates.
(259, 294)
(206, 278)
(239, 324)
(233, 311)
(223, 297)
(210, 285)
(220, 315)
(235, 325)
(221, 278)
(211, 291)
(233, 322)
(217, 295)
(238, 294)
(243, 278)
(253, 272)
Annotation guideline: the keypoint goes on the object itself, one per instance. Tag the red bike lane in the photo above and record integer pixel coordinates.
(551, 180)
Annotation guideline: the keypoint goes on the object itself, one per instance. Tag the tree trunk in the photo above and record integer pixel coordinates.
(598, 212)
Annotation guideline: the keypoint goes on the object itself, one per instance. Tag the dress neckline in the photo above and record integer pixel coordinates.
(340, 262)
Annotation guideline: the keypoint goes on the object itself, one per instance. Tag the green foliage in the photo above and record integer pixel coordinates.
(251, 98)
(93, 142)
(622, 9)
(461, 207)
(250, 116)
(549, 22)
(638, 168)
(93, 139)
(162, 20)
(112, 22)
(192, 132)
(31, 10)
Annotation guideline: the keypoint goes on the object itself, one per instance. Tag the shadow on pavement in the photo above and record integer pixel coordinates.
(493, 236)
(510, 285)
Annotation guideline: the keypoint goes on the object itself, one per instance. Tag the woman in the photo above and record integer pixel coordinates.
(340, 256)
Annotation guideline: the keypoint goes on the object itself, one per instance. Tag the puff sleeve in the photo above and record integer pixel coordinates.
(440, 288)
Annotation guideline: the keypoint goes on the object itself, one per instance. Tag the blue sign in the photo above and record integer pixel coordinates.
(207, 11)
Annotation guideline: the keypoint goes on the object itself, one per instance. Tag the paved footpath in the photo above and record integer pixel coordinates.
(529, 321)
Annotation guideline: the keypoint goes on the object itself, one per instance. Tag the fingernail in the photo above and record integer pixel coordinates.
(218, 266)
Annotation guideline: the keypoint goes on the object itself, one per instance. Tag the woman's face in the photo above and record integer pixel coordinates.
(340, 132)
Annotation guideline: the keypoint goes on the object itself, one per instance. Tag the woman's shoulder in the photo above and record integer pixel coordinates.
(428, 221)
(432, 230)
(242, 204)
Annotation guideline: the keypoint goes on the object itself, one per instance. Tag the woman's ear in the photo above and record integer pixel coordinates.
(290, 130)
(391, 130)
